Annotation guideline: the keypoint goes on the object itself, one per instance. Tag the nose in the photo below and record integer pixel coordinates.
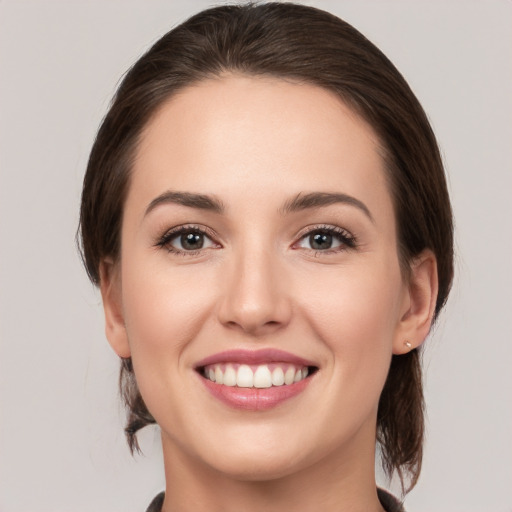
(254, 297)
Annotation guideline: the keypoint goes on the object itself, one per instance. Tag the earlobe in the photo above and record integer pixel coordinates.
(419, 304)
(115, 329)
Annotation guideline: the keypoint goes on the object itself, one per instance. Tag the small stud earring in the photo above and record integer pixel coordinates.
(408, 344)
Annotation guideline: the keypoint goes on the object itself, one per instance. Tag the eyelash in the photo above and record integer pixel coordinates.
(169, 236)
(348, 241)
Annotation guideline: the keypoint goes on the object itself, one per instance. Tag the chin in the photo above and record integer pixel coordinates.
(259, 469)
(264, 457)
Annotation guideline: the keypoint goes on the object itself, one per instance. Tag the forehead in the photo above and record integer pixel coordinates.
(238, 131)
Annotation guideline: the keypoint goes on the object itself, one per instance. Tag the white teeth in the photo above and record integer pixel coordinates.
(289, 376)
(229, 376)
(260, 376)
(244, 377)
(277, 377)
(219, 375)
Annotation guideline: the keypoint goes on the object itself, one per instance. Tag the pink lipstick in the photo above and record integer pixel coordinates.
(255, 380)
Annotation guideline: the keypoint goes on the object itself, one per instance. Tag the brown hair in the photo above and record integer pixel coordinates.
(309, 46)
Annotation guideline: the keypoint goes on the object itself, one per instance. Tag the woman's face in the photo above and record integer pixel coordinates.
(258, 245)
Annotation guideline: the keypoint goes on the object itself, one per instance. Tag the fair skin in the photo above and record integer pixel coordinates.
(255, 277)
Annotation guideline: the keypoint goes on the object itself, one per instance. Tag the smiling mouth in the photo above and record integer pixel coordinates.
(260, 376)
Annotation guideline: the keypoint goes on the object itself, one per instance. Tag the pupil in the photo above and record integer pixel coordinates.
(320, 241)
(192, 241)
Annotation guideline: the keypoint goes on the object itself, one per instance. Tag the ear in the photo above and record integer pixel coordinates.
(418, 305)
(115, 329)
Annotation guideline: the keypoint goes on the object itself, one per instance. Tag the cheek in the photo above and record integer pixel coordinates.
(163, 310)
(356, 301)
(355, 312)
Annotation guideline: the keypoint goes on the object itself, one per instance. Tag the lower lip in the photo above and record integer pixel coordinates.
(255, 399)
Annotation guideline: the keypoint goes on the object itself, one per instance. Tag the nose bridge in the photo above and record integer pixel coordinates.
(254, 298)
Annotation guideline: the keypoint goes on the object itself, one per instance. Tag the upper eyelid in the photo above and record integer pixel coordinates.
(166, 240)
(349, 241)
(324, 227)
(189, 227)
(304, 232)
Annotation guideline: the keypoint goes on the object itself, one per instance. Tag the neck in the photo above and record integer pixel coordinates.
(342, 481)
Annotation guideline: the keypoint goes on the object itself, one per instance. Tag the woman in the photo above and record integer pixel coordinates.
(266, 214)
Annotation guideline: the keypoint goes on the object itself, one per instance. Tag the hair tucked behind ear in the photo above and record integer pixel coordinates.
(311, 46)
(400, 419)
(138, 414)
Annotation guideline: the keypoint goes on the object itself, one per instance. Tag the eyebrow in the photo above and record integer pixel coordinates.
(199, 201)
(298, 203)
(320, 199)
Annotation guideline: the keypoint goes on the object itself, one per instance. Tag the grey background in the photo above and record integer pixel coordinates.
(61, 442)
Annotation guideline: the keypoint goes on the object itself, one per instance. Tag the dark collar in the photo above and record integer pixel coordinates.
(388, 501)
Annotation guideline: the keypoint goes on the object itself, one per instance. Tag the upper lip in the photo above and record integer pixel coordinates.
(261, 356)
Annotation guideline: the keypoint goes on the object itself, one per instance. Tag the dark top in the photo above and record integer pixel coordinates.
(388, 501)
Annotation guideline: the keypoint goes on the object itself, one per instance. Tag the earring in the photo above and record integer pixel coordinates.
(408, 344)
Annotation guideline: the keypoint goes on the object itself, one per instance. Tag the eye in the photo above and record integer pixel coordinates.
(191, 241)
(186, 240)
(327, 238)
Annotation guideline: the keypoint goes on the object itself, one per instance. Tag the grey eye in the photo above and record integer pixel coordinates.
(321, 241)
(190, 240)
